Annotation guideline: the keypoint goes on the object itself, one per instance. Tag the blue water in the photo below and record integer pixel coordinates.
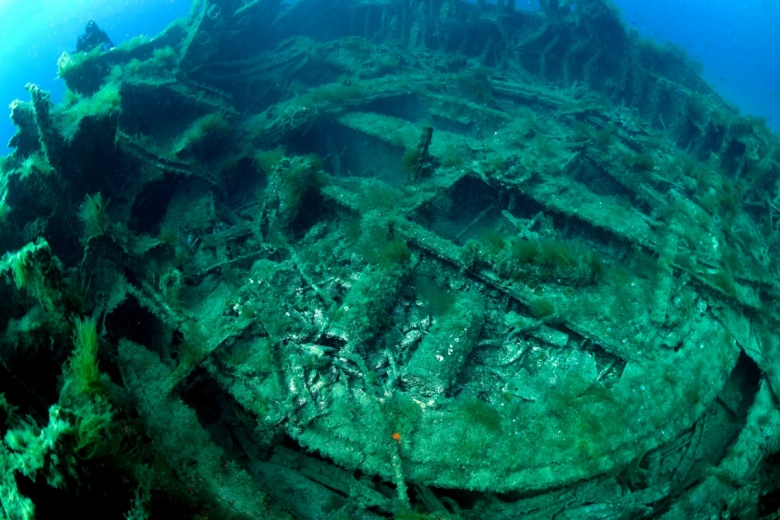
(736, 41)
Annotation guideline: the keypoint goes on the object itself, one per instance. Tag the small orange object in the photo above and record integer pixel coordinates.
(397, 436)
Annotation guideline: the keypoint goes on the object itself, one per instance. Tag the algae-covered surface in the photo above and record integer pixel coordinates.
(371, 259)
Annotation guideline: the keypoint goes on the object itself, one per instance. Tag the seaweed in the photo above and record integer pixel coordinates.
(94, 215)
(205, 136)
(477, 412)
(723, 280)
(643, 162)
(380, 245)
(267, 160)
(105, 103)
(492, 242)
(542, 308)
(550, 260)
(475, 85)
(83, 373)
(409, 160)
(438, 300)
(605, 137)
(403, 413)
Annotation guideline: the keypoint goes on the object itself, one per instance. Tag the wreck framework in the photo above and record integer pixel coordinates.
(408, 257)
